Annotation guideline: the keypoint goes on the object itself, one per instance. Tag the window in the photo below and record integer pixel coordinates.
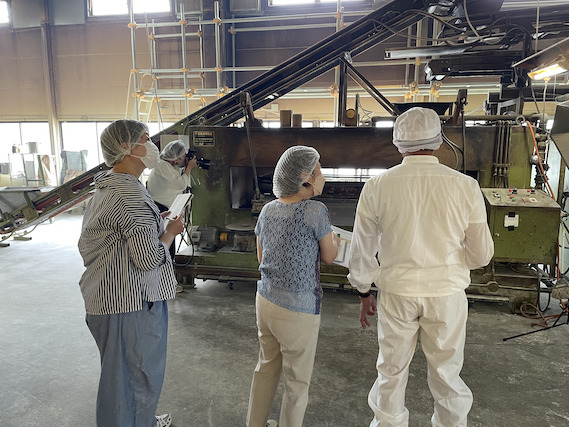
(24, 138)
(11, 140)
(37, 133)
(297, 2)
(114, 7)
(79, 136)
(4, 12)
(83, 136)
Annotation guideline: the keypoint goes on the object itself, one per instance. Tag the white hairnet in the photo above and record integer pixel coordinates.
(293, 169)
(173, 150)
(417, 129)
(119, 137)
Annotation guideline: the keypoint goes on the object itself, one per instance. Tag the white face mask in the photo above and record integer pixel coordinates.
(152, 156)
(318, 185)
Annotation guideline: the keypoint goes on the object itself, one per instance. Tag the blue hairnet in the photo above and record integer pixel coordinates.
(173, 150)
(119, 138)
(293, 169)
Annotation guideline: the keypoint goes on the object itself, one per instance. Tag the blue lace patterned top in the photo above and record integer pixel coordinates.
(290, 267)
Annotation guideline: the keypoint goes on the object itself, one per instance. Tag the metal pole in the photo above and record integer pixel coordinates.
(409, 32)
(201, 54)
(184, 62)
(51, 99)
(234, 75)
(217, 20)
(418, 43)
(342, 92)
(339, 24)
(132, 26)
(435, 26)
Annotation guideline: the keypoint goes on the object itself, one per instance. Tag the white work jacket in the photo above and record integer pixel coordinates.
(427, 223)
(166, 182)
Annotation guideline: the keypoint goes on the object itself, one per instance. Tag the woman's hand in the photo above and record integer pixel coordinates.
(173, 227)
(176, 225)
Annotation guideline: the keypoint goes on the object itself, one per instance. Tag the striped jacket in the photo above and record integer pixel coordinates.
(125, 261)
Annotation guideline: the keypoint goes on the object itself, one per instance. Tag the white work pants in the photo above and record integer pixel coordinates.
(441, 321)
(287, 342)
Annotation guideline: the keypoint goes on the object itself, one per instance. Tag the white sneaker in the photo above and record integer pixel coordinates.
(179, 288)
(271, 423)
(163, 420)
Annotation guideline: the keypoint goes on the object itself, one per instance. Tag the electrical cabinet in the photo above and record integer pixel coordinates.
(524, 224)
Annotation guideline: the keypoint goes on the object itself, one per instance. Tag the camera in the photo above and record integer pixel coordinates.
(202, 163)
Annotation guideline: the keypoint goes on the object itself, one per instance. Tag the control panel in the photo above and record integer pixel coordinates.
(524, 224)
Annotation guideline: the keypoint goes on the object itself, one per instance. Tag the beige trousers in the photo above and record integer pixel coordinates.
(441, 324)
(287, 342)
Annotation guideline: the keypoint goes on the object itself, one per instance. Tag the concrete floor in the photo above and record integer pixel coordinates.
(49, 363)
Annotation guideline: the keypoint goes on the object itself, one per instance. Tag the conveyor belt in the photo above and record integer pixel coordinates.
(354, 39)
(50, 204)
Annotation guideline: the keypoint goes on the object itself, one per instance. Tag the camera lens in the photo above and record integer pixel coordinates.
(203, 163)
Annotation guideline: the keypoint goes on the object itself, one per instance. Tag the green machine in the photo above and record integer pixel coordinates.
(525, 225)
(225, 204)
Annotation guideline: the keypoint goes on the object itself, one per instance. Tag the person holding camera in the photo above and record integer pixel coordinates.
(170, 178)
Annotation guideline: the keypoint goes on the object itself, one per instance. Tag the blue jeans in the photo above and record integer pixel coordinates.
(133, 362)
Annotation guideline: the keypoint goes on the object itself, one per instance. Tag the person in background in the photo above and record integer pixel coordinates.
(170, 178)
(128, 278)
(427, 225)
(293, 235)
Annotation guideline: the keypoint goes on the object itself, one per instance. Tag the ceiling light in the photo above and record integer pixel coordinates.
(549, 71)
(549, 62)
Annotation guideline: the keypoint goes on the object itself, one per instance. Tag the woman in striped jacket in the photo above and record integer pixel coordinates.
(128, 278)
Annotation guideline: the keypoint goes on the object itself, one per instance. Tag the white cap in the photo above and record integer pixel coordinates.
(417, 129)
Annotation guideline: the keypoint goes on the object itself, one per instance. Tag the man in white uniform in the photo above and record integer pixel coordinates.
(427, 225)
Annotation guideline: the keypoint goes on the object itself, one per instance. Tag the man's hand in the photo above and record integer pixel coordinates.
(368, 307)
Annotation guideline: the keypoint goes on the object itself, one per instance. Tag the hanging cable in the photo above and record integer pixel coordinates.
(453, 147)
(470, 23)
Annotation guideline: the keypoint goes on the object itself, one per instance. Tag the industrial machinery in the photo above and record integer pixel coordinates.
(222, 245)
(504, 150)
(21, 210)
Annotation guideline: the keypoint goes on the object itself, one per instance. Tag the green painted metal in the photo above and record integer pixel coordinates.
(524, 225)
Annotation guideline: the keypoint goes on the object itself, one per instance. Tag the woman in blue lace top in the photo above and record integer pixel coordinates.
(293, 235)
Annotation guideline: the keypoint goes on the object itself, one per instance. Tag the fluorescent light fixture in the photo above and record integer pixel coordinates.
(546, 72)
(549, 62)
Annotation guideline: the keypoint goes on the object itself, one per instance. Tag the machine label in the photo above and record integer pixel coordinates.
(204, 138)
(511, 221)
